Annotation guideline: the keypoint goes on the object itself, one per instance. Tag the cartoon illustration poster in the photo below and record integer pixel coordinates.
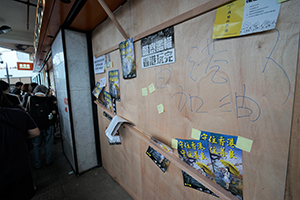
(226, 160)
(127, 59)
(196, 154)
(114, 87)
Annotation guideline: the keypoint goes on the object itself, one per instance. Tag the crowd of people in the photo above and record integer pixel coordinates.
(27, 118)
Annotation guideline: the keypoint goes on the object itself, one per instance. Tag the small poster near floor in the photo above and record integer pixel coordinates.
(158, 159)
(196, 154)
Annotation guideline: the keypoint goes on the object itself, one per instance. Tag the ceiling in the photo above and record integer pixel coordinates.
(20, 15)
(14, 14)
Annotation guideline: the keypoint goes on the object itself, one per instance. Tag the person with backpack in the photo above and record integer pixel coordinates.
(16, 126)
(41, 109)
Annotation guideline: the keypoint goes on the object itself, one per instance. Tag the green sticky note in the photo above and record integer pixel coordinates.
(160, 108)
(244, 144)
(174, 144)
(196, 134)
(144, 91)
(151, 88)
(280, 1)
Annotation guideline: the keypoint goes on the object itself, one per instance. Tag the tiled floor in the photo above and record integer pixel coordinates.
(57, 182)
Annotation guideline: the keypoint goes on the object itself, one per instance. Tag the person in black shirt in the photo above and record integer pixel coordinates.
(15, 171)
(14, 99)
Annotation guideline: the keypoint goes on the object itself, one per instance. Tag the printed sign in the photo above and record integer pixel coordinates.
(158, 48)
(24, 66)
(243, 17)
(99, 64)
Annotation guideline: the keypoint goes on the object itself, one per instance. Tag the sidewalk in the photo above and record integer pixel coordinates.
(58, 182)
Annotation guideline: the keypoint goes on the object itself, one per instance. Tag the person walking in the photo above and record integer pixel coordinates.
(15, 170)
(41, 109)
(26, 90)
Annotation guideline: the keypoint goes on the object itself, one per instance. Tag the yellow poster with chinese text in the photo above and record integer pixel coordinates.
(229, 19)
(242, 17)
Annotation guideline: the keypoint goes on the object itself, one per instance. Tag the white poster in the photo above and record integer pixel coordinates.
(99, 64)
(259, 15)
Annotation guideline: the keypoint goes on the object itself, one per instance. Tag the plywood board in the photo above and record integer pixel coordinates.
(243, 86)
(293, 176)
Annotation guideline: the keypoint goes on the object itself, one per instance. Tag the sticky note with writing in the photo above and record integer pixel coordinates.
(196, 134)
(151, 88)
(174, 143)
(244, 144)
(160, 108)
(144, 91)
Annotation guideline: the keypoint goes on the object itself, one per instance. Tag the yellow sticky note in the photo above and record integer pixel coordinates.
(196, 134)
(174, 144)
(244, 144)
(144, 91)
(160, 108)
(280, 1)
(151, 88)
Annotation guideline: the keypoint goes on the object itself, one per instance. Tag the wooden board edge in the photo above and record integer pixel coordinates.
(208, 6)
(292, 181)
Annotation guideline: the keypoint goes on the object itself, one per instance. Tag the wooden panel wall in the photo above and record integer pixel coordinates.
(259, 74)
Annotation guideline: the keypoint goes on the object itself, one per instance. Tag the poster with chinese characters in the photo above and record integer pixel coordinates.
(114, 87)
(226, 160)
(243, 17)
(99, 64)
(196, 154)
(158, 48)
(97, 90)
(108, 62)
(127, 59)
(162, 162)
(107, 101)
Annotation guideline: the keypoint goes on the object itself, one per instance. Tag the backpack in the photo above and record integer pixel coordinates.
(39, 110)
